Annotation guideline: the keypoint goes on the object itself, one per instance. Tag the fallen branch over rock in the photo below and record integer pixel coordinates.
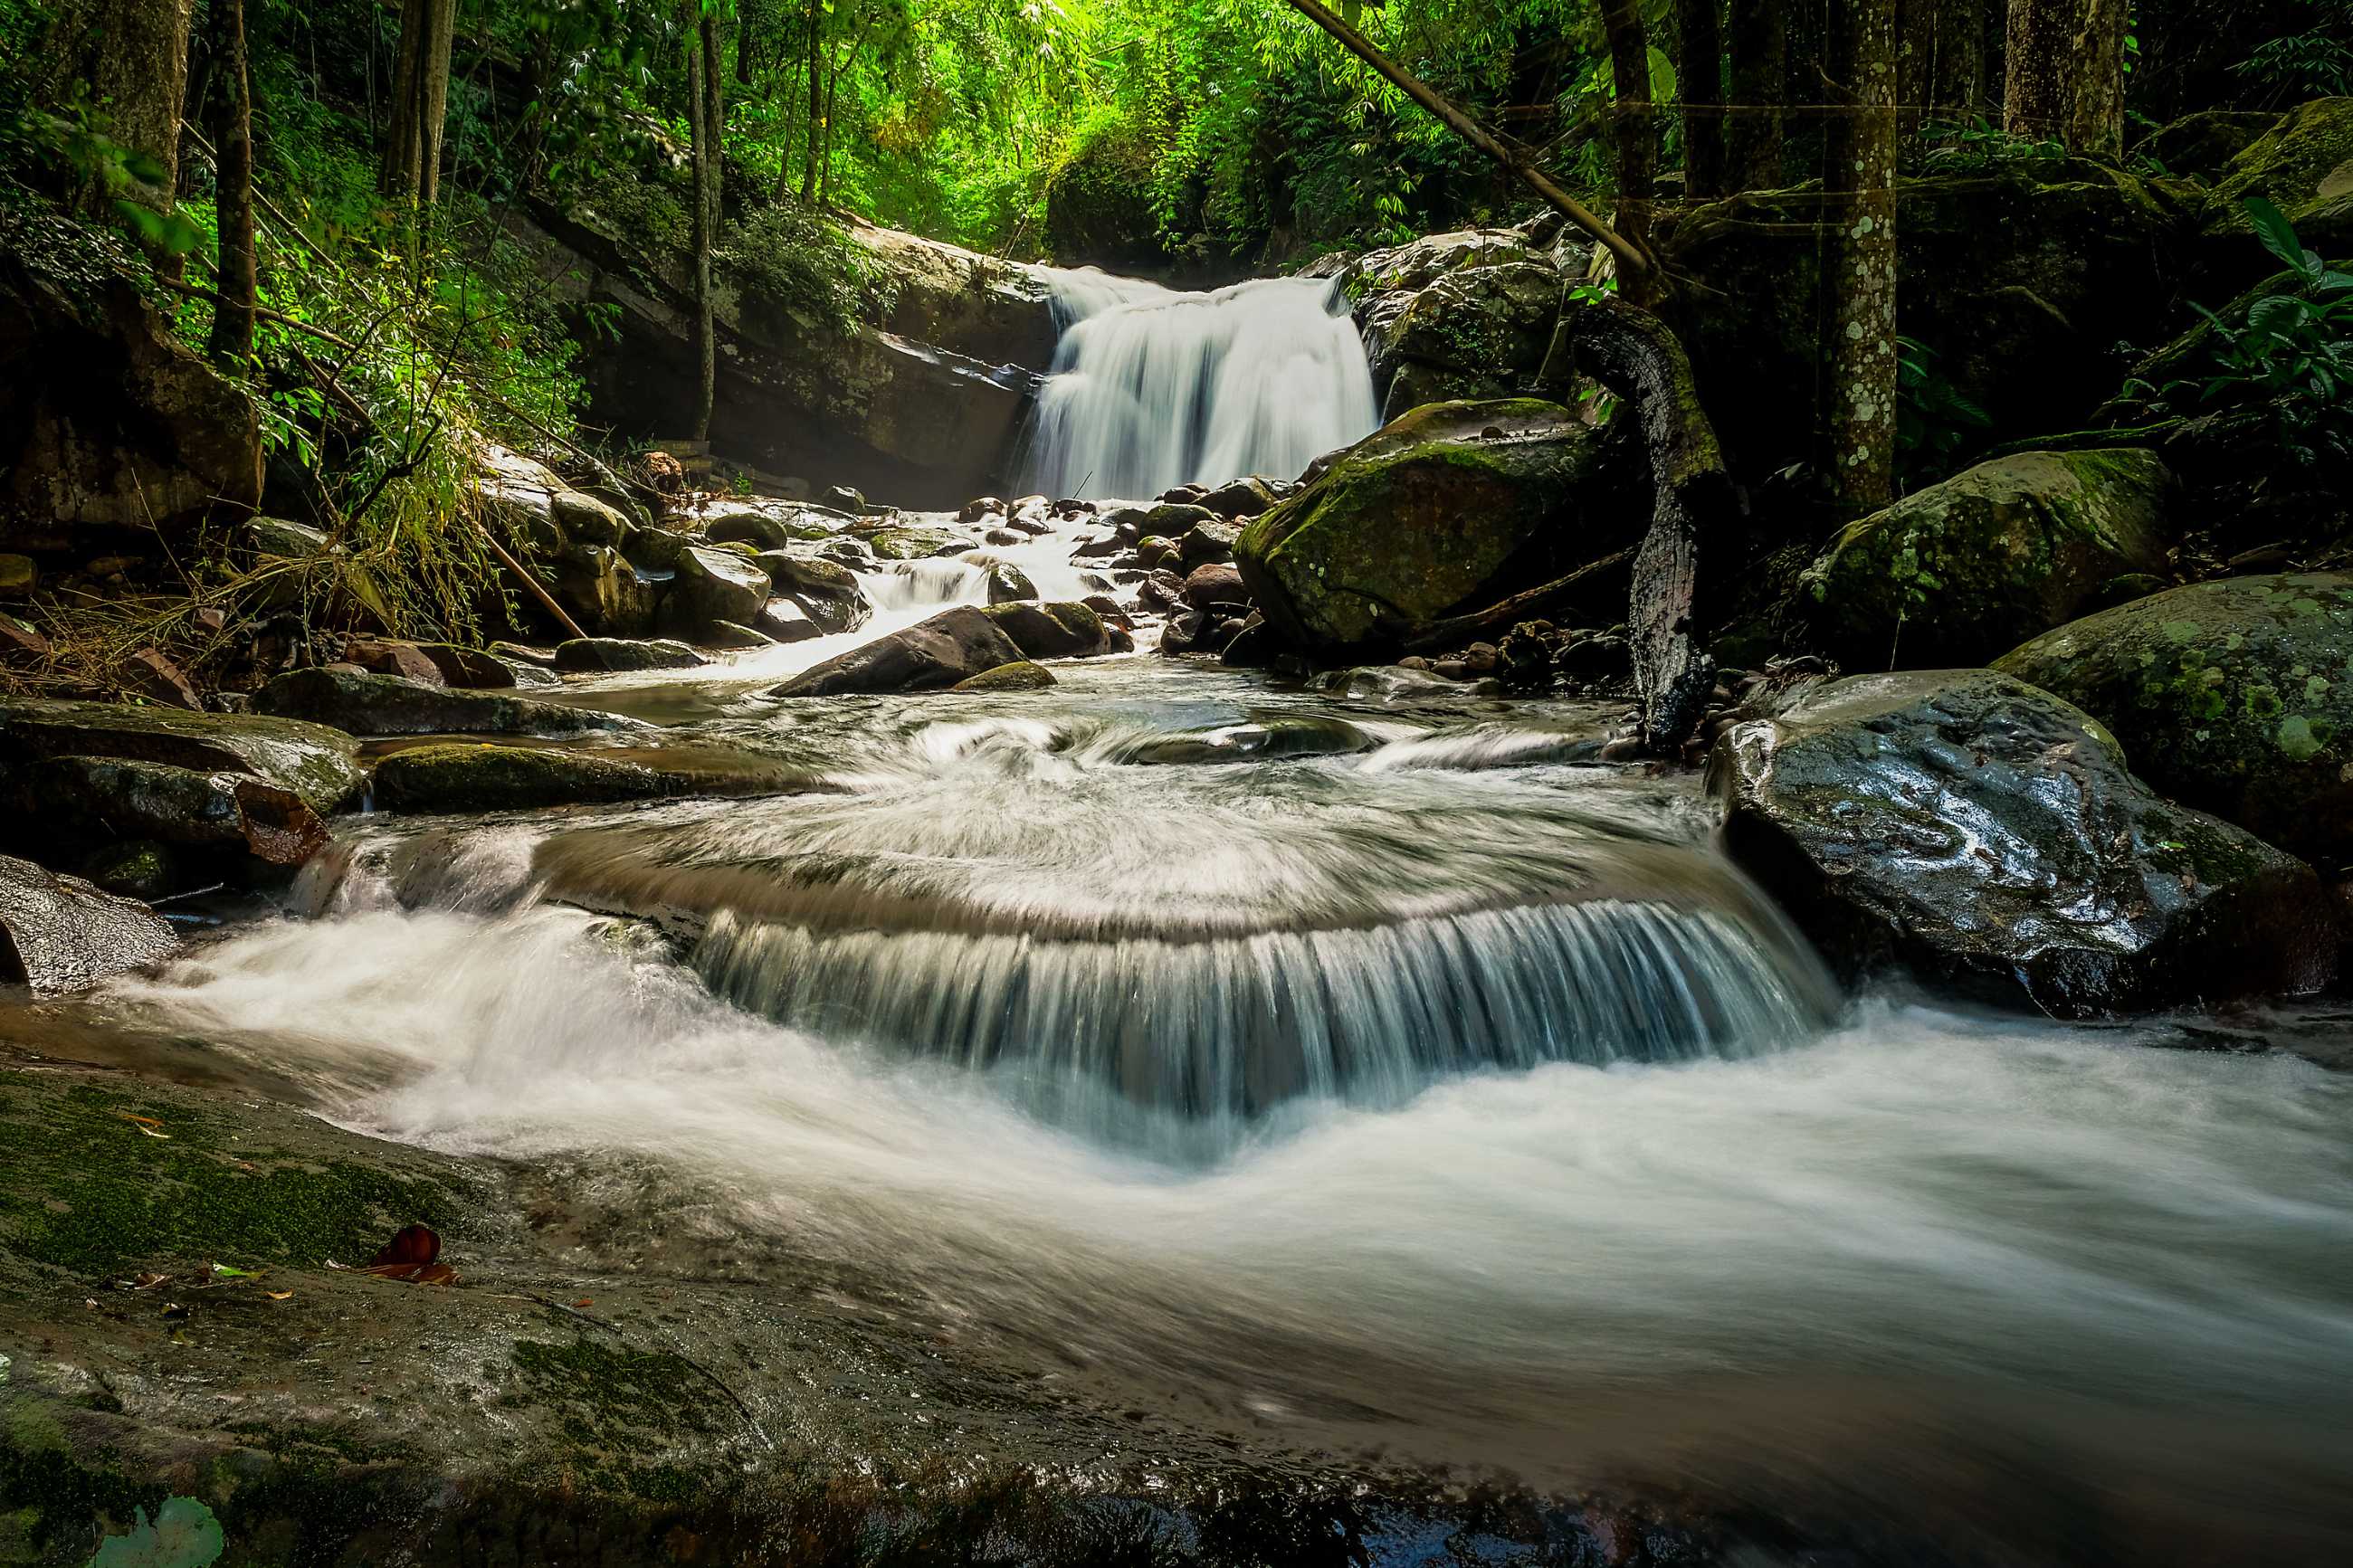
(1530, 605)
(1635, 355)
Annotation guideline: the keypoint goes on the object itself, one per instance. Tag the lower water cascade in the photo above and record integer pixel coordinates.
(1153, 388)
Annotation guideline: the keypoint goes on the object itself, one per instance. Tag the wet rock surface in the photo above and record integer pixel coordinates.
(314, 762)
(60, 934)
(1986, 835)
(360, 703)
(953, 646)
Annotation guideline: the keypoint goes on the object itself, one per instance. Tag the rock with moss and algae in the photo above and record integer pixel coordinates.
(98, 799)
(1451, 505)
(1023, 676)
(463, 776)
(1986, 835)
(1058, 628)
(1957, 572)
(2233, 695)
(590, 655)
(317, 763)
(364, 704)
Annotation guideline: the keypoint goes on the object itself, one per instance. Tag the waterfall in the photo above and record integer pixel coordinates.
(1153, 388)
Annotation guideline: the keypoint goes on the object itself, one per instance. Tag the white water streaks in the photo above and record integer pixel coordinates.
(1153, 388)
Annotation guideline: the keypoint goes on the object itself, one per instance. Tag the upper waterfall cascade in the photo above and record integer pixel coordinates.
(1153, 388)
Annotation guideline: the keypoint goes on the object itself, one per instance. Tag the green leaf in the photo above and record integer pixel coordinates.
(2277, 234)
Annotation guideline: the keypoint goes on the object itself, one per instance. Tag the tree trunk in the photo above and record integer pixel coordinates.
(1635, 266)
(1632, 354)
(231, 342)
(1859, 421)
(2065, 73)
(1700, 82)
(411, 175)
(1916, 59)
(705, 116)
(817, 100)
(127, 60)
(1760, 69)
(2095, 108)
(1957, 85)
(1637, 146)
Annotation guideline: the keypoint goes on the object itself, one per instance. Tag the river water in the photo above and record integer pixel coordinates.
(1371, 1068)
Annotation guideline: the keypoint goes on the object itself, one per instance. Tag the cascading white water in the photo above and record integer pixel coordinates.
(1153, 388)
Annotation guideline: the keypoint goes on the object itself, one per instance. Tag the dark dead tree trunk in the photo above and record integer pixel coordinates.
(1760, 66)
(1635, 265)
(231, 342)
(1700, 84)
(1858, 422)
(1631, 133)
(1634, 354)
(1957, 85)
(704, 116)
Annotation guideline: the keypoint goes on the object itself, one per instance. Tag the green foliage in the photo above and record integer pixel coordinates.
(2317, 63)
(2291, 354)
(810, 263)
(1935, 424)
(1978, 146)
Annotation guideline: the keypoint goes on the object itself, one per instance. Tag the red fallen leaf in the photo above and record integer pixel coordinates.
(415, 1247)
(415, 1273)
(585, 1301)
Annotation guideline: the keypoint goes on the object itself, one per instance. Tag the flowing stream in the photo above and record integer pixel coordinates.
(1372, 1066)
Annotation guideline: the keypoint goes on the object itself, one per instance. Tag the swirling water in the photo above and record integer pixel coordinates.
(1153, 388)
(1429, 1091)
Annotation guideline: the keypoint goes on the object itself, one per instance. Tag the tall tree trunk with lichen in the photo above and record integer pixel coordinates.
(705, 117)
(411, 171)
(231, 341)
(124, 63)
(1636, 142)
(1858, 421)
(1957, 85)
(1759, 49)
(2064, 77)
(1699, 72)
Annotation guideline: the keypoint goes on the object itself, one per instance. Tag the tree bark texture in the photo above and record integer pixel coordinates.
(231, 342)
(2064, 70)
(1858, 420)
(817, 100)
(411, 175)
(1699, 73)
(706, 110)
(126, 63)
(1759, 45)
(1957, 85)
(1634, 354)
(1635, 139)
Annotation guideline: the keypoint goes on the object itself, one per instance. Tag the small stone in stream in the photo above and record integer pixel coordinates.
(1121, 639)
(60, 934)
(363, 704)
(782, 620)
(584, 656)
(318, 764)
(1094, 583)
(1205, 542)
(726, 637)
(1009, 585)
(134, 868)
(1413, 661)
(1451, 669)
(1161, 590)
(17, 576)
(713, 585)
(1002, 537)
(1524, 658)
(1101, 549)
(1215, 585)
(1125, 520)
(1106, 607)
(1174, 521)
(521, 653)
(1153, 552)
(1184, 630)
(1182, 495)
(149, 674)
(1022, 676)
(1032, 526)
(388, 657)
(983, 506)
(466, 667)
(1622, 748)
(1244, 497)
(844, 498)
(1251, 647)
(1059, 629)
(1480, 658)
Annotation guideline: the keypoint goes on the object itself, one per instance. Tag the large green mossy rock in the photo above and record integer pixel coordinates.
(2304, 165)
(1982, 834)
(1423, 516)
(363, 704)
(2236, 695)
(319, 765)
(1958, 573)
(471, 776)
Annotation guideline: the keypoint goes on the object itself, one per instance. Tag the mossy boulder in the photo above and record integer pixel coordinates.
(2234, 696)
(713, 583)
(1960, 572)
(1427, 514)
(101, 799)
(1062, 628)
(1479, 331)
(316, 763)
(1023, 676)
(588, 655)
(2304, 165)
(910, 544)
(364, 704)
(459, 776)
(951, 646)
(1986, 835)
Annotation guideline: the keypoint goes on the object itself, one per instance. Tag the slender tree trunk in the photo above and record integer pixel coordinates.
(1700, 73)
(128, 62)
(1916, 59)
(1859, 421)
(411, 174)
(817, 100)
(232, 334)
(2064, 80)
(2095, 108)
(1637, 144)
(704, 118)
(1760, 70)
(1957, 86)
